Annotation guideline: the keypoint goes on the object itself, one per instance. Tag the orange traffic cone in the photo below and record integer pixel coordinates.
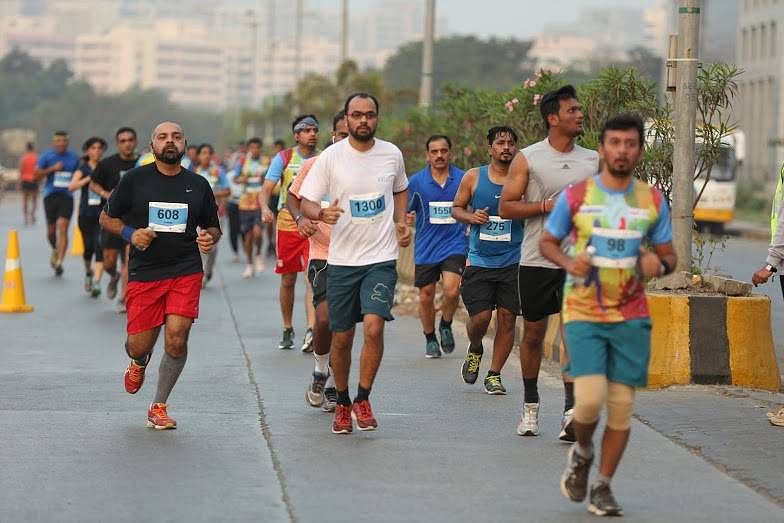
(77, 246)
(13, 286)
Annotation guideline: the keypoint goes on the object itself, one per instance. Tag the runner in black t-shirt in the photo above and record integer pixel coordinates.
(157, 208)
(105, 178)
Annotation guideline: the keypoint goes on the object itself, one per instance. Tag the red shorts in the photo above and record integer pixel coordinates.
(148, 302)
(292, 251)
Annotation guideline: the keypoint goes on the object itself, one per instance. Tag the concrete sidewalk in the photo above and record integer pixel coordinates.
(248, 449)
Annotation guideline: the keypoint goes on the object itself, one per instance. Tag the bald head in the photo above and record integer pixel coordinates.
(168, 142)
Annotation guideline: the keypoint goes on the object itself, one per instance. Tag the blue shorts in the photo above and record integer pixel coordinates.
(619, 351)
(353, 292)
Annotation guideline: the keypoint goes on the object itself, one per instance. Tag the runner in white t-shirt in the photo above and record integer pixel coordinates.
(365, 179)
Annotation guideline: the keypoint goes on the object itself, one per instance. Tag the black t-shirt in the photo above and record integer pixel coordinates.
(85, 209)
(110, 170)
(145, 197)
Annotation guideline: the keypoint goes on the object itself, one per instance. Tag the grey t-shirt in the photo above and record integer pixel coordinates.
(549, 172)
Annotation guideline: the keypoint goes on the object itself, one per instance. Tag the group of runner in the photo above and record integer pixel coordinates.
(533, 232)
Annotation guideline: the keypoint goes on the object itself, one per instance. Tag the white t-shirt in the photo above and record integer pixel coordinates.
(364, 184)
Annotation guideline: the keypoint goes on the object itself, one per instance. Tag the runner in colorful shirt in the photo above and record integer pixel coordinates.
(620, 232)
(250, 173)
(219, 184)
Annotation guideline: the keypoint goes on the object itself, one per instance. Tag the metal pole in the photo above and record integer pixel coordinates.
(426, 84)
(298, 44)
(268, 125)
(344, 33)
(685, 113)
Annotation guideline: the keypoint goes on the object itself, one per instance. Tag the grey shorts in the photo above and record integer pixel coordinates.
(353, 292)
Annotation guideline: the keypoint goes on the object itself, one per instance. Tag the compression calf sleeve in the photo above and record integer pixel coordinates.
(168, 374)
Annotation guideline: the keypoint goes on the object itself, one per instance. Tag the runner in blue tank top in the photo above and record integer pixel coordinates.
(490, 279)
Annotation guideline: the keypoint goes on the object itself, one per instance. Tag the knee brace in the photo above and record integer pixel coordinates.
(620, 403)
(590, 394)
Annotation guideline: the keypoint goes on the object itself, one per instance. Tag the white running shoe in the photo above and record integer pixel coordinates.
(529, 420)
(248, 272)
(567, 429)
(259, 264)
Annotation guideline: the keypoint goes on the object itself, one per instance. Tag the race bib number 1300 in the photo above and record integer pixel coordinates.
(168, 217)
(366, 208)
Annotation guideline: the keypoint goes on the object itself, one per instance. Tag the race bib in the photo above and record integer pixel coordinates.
(168, 217)
(93, 198)
(615, 248)
(366, 208)
(253, 184)
(62, 179)
(441, 213)
(496, 229)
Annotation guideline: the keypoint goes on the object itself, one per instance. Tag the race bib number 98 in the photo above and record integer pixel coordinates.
(366, 208)
(441, 213)
(62, 179)
(168, 217)
(615, 248)
(496, 229)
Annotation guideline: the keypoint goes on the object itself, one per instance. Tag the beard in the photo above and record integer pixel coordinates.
(621, 173)
(362, 137)
(169, 155)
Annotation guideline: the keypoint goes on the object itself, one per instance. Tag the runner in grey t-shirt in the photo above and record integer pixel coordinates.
(536, 177)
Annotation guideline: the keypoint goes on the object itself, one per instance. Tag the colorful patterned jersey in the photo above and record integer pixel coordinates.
(284, 168)
(615, 224)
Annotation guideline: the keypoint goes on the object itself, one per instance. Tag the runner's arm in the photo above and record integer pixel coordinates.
(401, 206)
(78, 181)
(511, 204)
(465, 191)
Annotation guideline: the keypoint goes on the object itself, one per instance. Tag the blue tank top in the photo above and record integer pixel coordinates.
(496, 243)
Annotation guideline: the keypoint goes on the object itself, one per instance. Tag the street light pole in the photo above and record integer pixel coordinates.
(344, 32)
(270, 70)
(426, 84)
(685, 113)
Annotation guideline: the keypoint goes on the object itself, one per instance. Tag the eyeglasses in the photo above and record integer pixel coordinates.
(357, 115)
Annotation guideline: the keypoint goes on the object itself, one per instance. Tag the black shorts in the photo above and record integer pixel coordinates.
(58, 205)
(487, 289)
(317, 276)
(428, 273)
(541, 291)
(29, 186)
(112, 242)
(248, 220)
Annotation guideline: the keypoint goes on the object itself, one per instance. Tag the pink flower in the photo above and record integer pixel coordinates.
(509, 106)
(537, 97)
(529, 83)
(467, 151)
(515, 101)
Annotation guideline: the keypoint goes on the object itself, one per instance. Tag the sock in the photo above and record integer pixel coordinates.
(141, 362)
(585, 452)
(568, 396)
(445, 324)
(601, 478)
(476, 350)
(322, 363)
(343, 398)
(431, 336)
(493, 373)
(168, 373)
(362, 394)
(531, 389)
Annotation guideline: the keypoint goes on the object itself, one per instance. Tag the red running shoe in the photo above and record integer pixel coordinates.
(134, 377)
(363, 415)
(158, 418)
(342, 422)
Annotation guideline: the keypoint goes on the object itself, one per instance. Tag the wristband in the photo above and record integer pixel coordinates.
(127, 232)
(543, 211)
(297, 219)
(666, 267)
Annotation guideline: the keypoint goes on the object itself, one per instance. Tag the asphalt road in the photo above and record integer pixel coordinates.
(75, 447)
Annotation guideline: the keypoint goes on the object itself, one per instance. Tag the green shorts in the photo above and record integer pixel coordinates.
(619, 351)
(353, 292)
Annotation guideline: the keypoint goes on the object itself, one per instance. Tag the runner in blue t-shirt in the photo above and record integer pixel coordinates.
(57, 165)
(490, 280)
(440, 242)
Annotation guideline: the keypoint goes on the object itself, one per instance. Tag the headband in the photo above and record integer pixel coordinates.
(305, 123)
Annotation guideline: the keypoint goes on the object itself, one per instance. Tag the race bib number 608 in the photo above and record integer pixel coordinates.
(168, 217)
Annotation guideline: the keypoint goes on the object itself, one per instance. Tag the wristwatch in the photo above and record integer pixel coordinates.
(770, 268)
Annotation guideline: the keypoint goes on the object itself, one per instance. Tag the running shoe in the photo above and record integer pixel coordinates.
(574, 480)
(447, 339)
(96, 290)
(157, 417)
(330, 399)
(529, 420)
(315, 393)
(248, 272)
(111, 288)
(776, 418)
(342, 422)
(307, 341)
(493, 385)
(432, 350)
(470, 368)
(88, 283)
(603, 502)
(567, 429)
(287, 340)
(58, 269)
(259, 264)
(362, 415)
(134, 377)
